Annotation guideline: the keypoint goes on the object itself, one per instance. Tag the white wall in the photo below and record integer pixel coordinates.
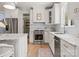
(39, 9)
(20, 21)
(31, 20)
(11, 13)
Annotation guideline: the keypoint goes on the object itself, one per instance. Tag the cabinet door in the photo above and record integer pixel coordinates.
(67, 50)
(65, 53)
(69, 47)
(52, 42)
(46, 37)
(77, 52)
(57, 13)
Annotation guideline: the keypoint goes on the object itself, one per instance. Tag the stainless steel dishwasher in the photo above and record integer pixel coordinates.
(57, 47)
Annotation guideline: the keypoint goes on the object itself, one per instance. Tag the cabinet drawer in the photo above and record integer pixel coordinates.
(65, 53)
(70, 48)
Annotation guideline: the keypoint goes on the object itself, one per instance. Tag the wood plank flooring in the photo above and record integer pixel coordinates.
(33, 49)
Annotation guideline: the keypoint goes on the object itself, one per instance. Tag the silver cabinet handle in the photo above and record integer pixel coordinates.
(65, 45)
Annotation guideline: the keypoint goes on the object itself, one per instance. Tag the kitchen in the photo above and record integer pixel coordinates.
(54, 24)
(61, 29)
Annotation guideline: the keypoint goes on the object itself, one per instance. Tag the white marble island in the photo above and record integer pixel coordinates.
(20, 47)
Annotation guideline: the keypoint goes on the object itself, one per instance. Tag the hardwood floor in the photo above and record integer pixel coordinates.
(33, 49)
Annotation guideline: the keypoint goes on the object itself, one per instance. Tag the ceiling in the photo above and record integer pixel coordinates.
(28, 5)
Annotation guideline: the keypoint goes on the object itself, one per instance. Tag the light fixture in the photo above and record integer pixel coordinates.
(2, 25)
(9, 5)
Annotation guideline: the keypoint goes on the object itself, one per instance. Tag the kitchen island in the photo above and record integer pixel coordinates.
(20, 47)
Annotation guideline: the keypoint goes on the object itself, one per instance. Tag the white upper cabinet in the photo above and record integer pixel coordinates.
(63, 13)
(57, 13)
(67, 14)
(49, 16)
(54, 14)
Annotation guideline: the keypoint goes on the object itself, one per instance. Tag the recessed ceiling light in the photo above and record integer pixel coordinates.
(9, 6)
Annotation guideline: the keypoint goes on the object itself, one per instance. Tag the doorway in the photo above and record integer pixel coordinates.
(26, 23)
(26, 18)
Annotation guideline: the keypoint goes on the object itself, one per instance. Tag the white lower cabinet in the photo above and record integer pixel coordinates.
(49, 38)
(67, 50)
(46, 37)
(65, 53)
(51, 42)
(77, 51)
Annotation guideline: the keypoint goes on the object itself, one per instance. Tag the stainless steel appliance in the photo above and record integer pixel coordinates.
(39, 36)
(57, 47)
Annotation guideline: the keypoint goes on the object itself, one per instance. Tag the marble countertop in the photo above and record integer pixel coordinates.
(72, 39)
(12, 36)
